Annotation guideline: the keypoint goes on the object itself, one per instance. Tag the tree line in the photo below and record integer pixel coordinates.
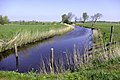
(4, 20)
(66, 18)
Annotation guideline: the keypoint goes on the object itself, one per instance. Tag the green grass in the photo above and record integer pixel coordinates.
(105, 28)
(24, 34)
(7, 32)
(109, 70)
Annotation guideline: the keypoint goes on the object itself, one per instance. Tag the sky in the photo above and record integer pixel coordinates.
(51, 10)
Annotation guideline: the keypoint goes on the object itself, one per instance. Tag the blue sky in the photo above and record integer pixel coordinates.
(51, 10)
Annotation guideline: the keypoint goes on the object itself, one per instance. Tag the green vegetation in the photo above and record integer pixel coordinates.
(105, 28)
(8, 32)
(66, 18)
(3, 20)
(85, 17)
(23, 34)
(109, 70)
(95, 17)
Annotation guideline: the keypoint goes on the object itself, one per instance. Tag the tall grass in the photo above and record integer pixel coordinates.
(8, 32)
(24, 34)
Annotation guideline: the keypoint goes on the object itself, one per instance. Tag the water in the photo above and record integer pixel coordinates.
(35, 56)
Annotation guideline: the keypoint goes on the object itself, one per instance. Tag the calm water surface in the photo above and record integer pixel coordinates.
(32, 56)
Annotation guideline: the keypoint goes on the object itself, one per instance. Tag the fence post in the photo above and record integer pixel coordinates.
(16, 54)
(111, 34)
(52, 60)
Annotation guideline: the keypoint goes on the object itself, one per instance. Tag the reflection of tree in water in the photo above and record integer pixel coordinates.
(5, 54)
(17, 64)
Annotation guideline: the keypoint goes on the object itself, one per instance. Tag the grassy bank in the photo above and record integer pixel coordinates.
(105, 28)
(24, 34)
(110, 70)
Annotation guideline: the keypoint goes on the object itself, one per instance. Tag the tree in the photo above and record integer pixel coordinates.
(77, 19)
(85, 17)
(70, 16)
(1, 20)
(95, 17)
(5, 18)
(66, 18)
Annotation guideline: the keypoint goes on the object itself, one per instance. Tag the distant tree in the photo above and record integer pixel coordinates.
(66, 18)
(5, 18)
(77, 19)
(70, 16)
(95, 17)
(1, 20)
(85, 17)
(23, 22)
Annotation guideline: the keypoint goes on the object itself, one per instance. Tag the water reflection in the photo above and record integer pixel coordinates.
(17, 64)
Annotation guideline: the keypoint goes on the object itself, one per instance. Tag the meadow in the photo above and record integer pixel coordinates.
(8, 32)
(24, 34)
(105, 29)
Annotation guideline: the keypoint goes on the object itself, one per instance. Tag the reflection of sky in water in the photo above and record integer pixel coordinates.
(31, 57)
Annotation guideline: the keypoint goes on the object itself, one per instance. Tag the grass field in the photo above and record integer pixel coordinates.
(105, 28)
(8, 32)
(23, 34)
